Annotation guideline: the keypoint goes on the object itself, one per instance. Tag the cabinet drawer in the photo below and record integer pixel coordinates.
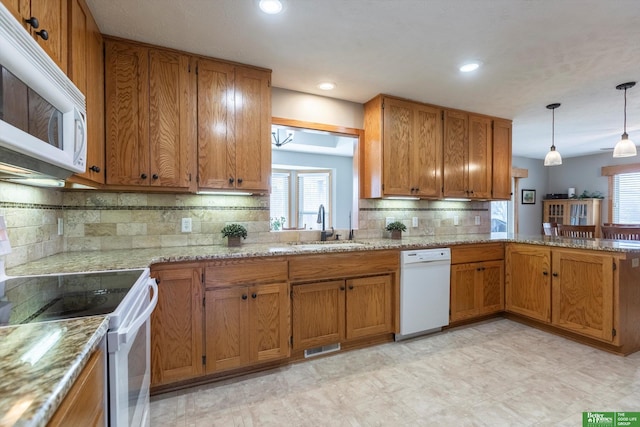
(350, 264)
(476, 253)
(236, 272)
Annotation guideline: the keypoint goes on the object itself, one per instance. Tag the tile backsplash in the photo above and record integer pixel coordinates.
(95, 220)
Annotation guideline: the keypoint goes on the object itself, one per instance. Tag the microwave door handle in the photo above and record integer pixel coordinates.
(55, 117)
(129, 332)
(79, 121)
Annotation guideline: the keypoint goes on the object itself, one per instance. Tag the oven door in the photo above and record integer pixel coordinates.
(129, 361)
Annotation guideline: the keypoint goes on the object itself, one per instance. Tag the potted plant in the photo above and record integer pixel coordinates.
(233, 233)
(396, 228)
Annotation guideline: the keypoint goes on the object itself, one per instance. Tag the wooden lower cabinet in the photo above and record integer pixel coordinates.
(84, 404)
(528, 281)
(582, 296)
(176, 325)
(246, 325)
(333, 311)
(567, 288)
(477, 289)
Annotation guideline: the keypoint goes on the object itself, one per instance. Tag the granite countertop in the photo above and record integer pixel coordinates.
(33, 385)
(73, 262)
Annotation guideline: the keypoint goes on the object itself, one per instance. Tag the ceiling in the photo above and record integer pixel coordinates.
(534, 53)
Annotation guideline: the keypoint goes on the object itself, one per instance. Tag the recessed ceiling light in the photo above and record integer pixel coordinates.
(326, 85)
(470, 66)
(271, 7)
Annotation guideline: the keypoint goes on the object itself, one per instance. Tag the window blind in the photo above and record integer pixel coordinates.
(626, 198)
(279, 200)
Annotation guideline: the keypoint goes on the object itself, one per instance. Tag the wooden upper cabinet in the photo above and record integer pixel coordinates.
(467, 155)
(456, 125)
(150, 110)
(127, 113)
(501, 179)
(403, 149)
(216, 118)
(480, 157)
(234, 127)
(52, 19)
(86, 70)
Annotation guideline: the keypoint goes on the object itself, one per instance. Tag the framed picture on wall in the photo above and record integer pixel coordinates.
(528, 197)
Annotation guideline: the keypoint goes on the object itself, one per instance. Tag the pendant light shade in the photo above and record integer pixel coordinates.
(553, 158)
(625, 147)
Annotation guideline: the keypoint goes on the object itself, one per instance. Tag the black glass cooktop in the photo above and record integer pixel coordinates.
(52, 297)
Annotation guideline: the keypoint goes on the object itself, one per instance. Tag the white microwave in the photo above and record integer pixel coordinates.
(43, 130)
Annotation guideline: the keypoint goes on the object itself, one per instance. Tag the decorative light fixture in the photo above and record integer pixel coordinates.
(553, 158)
(272, 7)
(275, 135)
(625, 147)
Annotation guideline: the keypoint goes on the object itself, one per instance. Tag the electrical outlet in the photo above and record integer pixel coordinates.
(456, 220)
(477, 219)
(388, 220)
(414, 221)
(60, 227)
(186, 225)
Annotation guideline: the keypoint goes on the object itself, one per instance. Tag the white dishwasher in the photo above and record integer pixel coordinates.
(424, 291)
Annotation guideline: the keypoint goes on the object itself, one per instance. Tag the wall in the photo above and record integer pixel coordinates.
(530, 216)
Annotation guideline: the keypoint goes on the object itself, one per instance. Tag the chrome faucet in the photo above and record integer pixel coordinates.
(323, 234)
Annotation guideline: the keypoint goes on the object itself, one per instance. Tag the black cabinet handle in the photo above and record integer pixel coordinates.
(555, 274)
(44, 34)
(155, 176)
(244, 296)
(478, 269)
(33, 21)
(545, 273)
(254, 295)
(239, 180)
(231, 180)
(95, 168)
(342, 288)
(350, 287)
(143, 176)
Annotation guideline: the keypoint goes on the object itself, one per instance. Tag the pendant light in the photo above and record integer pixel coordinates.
(625, 147)
(553, 158)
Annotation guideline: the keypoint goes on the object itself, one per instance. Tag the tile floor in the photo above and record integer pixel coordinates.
(496, 373)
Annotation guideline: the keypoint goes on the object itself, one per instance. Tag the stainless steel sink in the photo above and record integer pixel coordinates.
(317, 245)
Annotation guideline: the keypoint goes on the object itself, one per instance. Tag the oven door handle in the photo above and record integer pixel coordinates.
(129, 332)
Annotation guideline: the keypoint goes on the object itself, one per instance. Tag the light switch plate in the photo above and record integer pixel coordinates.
(186, 225)
(477, 219)
(456, 220)
(414, 221)
(60, 227)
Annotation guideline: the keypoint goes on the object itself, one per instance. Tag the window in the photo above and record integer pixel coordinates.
(624, 186)
(626, 203)
(296, 196)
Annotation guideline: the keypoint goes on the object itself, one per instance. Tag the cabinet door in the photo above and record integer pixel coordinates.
(426, 152)
(554, 211)
(464, 297)
(455, 154)
(252, 129)
(176, 326)
(398, 133)
(127, 114)
(19, 9)
(227, 328)
(216, 139)
(269, 322)
(171, 120)
(318, 314)
(480, 157)
(491, 287)
(86, 69)
(501, 180)
(52, 15)
(583, 293)
(368, 306)
(528, 281)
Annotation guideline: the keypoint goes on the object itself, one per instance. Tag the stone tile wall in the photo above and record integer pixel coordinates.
(96, 220)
